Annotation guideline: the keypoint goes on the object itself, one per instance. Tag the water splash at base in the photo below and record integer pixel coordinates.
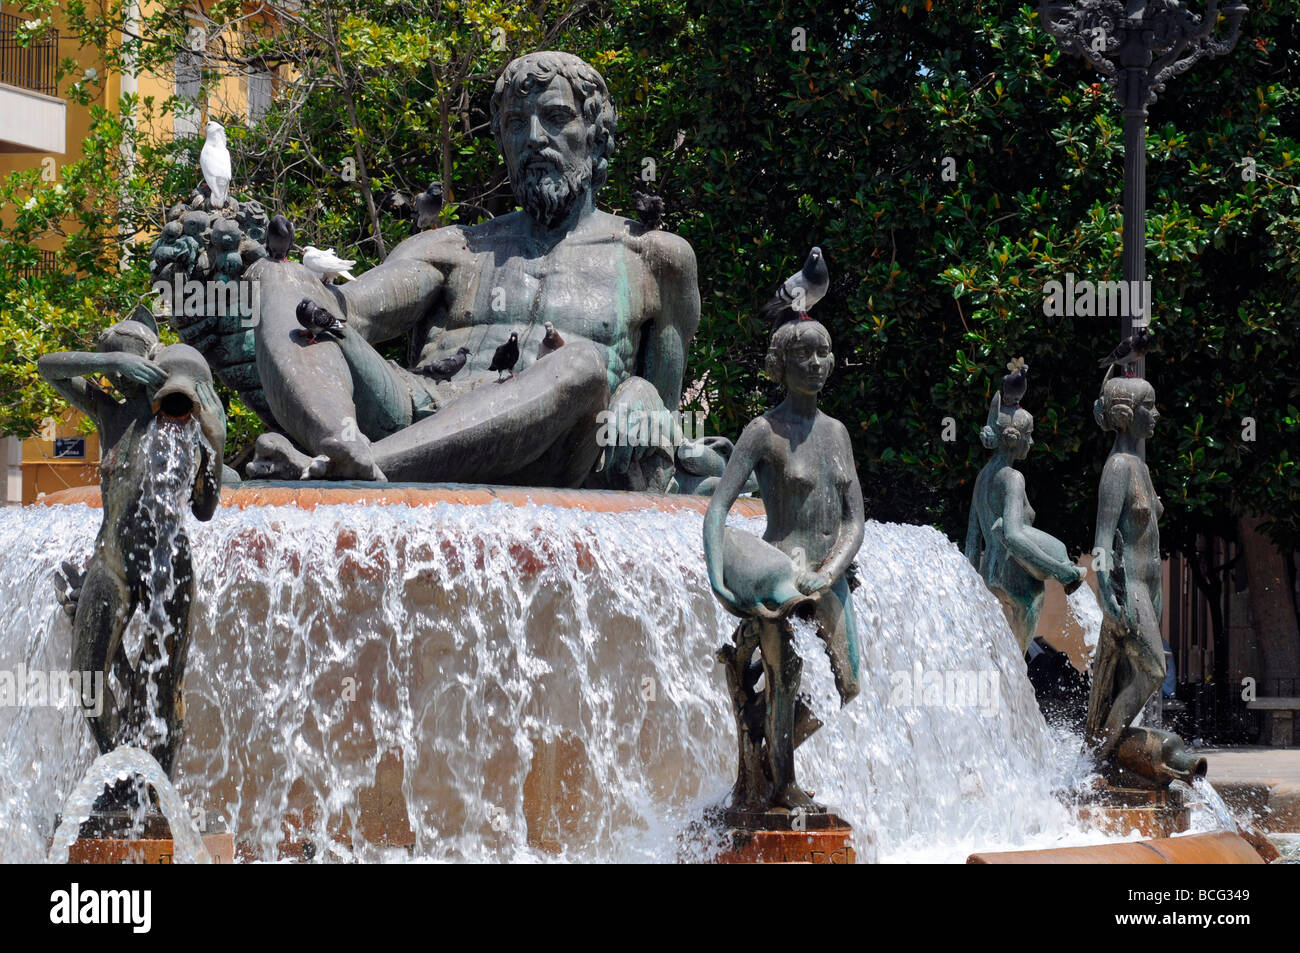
(534, 683)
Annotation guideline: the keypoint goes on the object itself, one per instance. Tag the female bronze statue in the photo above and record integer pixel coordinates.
(1001, 542)
(803, 462)
(1129, 663)
(153, 463)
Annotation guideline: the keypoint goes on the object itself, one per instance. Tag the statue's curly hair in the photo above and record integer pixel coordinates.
(785, 335)
(1011, 427)
(1113, 410)
(596, 105)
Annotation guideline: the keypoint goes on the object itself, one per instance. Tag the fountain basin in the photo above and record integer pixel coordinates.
(309, 494)
(478, 673)
(1221, 847)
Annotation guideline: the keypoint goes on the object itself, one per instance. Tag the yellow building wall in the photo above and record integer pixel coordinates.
(43, 472)
(78, 116)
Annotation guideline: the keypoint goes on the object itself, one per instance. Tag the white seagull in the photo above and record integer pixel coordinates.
(214, 160)
(325, 264)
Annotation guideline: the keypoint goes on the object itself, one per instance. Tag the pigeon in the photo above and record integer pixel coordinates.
(506, 357)
(649, 209)
(798, 293)
(1015, 384)
(279, 238)
(214, 161)
(326, 264)
(316, 320)
(1129, 351)
(551, 341)
(427, 206)
(445, 368)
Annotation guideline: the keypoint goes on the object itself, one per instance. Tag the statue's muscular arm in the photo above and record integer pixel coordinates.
(662, 359)
(391, 298)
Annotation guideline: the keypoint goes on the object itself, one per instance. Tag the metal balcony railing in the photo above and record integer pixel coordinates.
(46, 263)
(32, 66)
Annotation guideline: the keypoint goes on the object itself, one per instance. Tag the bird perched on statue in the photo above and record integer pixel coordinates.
(1015, 384)
(279, 238)
(551, 341)
(214, 162)
(317, 321)
(649, 209)
(327, 265)
(506, 357)
(798, 293)
(445, 368)
(427, 206)
(1129, 351)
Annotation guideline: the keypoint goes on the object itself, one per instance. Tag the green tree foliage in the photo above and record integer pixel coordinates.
(937, 284)
(773, 126)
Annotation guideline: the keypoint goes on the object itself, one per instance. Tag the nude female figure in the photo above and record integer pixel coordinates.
(1001, 542)
(803, 462)
(152, 464)
(1129, 663)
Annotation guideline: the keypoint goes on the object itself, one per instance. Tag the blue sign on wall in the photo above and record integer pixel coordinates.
(70, 446)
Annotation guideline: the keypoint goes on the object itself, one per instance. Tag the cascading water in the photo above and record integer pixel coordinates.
(122, 764)
(1087, 614)
(537, 682)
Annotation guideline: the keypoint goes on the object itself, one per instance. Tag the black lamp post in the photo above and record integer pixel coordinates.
(1139, 45)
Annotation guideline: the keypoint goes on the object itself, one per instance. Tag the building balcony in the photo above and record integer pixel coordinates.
(32, 117)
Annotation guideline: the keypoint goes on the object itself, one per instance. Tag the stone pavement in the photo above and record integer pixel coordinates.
(1262, 781)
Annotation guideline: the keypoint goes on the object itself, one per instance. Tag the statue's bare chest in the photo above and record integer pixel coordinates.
(586, 290)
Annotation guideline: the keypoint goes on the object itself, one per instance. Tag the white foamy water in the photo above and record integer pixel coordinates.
(546, 677)
(122, 764)
(1087, 614)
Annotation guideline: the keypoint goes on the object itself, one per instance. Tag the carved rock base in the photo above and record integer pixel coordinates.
(1114, 810)
(104, 850)
(777, 837)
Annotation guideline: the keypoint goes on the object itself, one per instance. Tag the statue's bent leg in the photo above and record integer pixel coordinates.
(103, 611)
(781, 670)
(308, 386)
(382, 397)
(1130, 667)
(538, 428)
(837, 627)
(162, 667)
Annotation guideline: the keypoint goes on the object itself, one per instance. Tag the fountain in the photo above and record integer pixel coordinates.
(516, 680)
(401, 661)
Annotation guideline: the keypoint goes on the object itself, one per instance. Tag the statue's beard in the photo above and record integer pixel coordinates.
(549, 190)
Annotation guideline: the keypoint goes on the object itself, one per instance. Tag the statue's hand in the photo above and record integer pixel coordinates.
(68, 585)
(810, 582)
(212, 417)
(141, 370)
(1073, 578)
(1109, 604)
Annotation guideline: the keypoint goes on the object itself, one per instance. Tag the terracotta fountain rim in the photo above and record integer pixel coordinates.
(308, 495)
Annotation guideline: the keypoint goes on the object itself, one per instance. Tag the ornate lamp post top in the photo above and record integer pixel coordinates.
(1139, 45)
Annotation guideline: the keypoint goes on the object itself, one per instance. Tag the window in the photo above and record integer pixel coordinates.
(259, 95)
(189, 86)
